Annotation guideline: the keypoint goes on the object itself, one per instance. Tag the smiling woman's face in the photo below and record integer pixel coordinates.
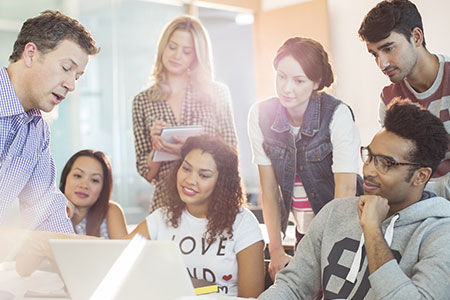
(84, 182)
(179, 53)
(196, 180)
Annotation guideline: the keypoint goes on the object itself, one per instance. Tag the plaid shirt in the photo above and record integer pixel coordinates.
(27, 170)
(216, 118)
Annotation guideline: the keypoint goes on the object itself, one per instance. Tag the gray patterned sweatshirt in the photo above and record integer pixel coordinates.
(420, 245)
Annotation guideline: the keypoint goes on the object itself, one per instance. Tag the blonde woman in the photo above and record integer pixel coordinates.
(183, 92)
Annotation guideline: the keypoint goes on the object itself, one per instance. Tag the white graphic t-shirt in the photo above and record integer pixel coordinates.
(215, 262)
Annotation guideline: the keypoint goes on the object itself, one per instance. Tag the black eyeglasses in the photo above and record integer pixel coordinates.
(382, 163)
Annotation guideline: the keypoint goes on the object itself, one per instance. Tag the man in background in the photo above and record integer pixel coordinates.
(394, 35)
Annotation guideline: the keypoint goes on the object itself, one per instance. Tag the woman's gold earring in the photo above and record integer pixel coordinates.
(189, 74)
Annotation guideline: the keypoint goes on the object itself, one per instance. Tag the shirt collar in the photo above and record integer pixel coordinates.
(10, 104)
(311, 118)
(281, 122)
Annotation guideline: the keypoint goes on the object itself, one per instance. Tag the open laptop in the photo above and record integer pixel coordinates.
(108, 269)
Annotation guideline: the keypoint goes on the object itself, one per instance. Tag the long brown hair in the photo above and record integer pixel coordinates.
(97, 212)
(227, 197)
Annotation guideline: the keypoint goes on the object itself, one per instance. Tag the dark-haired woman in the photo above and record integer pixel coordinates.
(220, 239)
(86, 181)
(304, 142)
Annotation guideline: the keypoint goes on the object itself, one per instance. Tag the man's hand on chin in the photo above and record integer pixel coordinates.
(372, 211)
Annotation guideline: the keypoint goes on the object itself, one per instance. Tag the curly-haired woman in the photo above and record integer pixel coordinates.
(220, 239)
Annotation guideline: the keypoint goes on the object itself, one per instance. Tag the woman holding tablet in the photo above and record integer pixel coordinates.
(183, 92)
(220, 239)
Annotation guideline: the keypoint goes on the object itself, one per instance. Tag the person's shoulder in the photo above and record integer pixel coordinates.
(391, 91)
(245, 211)
(219, 86)
(348, 201)
(330, 101)
(341, 206)
(145, 94)
(344, 111)
(265, 102)
(160, 211)
(245, 215)
(157, 215)
(114, 210)
(220, 92)
(437, 206)
(329, 97)
(443, 58)
(114, 206)
(269, 103)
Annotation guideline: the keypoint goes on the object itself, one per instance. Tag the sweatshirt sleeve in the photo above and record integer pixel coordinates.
(428, 278)
(301, 279)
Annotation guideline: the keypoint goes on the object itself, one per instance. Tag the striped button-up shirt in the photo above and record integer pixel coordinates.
(27, 169)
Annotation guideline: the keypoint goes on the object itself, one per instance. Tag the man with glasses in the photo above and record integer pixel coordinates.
(390, 243)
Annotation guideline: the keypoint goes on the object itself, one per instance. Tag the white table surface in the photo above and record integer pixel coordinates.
(11, 282)
(48, 282)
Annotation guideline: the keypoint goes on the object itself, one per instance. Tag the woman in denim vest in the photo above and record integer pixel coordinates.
(305, 143)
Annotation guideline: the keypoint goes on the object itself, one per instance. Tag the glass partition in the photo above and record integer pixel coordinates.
(98, 115)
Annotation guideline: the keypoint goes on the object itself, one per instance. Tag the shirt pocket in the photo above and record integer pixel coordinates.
(274, 150)
(319, 159)
(318, 153)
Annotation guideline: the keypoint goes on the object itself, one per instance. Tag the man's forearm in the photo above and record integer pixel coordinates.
(378, 251)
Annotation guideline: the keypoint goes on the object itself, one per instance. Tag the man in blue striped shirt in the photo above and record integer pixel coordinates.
(51, 52)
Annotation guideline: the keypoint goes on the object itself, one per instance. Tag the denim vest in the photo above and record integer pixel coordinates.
(310, 154)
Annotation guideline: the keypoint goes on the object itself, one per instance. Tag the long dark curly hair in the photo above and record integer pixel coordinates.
(227, 197)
